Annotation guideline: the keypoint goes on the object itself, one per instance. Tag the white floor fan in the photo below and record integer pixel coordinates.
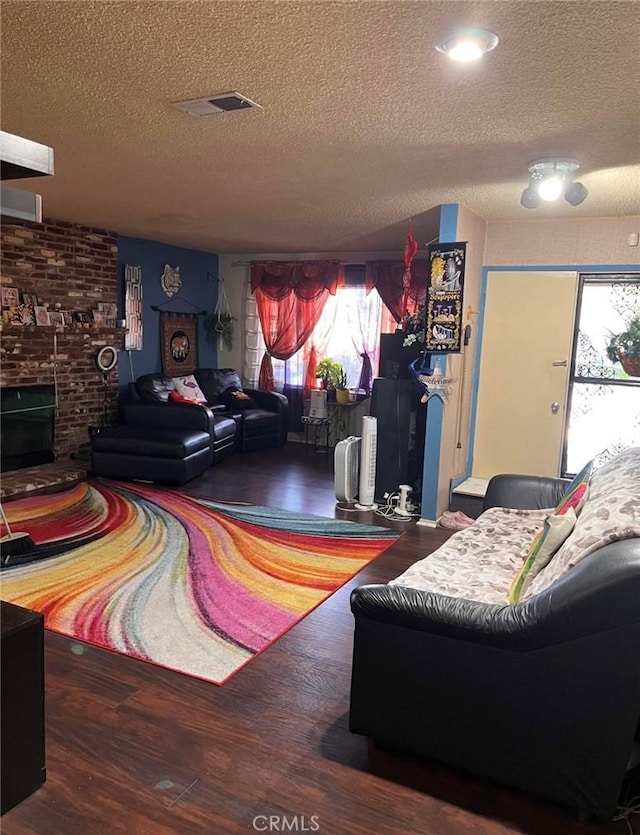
(355, 466)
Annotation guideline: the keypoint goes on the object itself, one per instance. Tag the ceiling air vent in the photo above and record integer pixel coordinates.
(210, 105)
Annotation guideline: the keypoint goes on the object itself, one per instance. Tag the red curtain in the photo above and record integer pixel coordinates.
(386, 277)
(290, 296)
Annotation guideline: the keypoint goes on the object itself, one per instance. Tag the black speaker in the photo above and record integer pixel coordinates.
(391, 404)
(21, 704)
(395, 358)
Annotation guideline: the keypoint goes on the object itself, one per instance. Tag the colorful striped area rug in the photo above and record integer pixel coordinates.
(197, 586)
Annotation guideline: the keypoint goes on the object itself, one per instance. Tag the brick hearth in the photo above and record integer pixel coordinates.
(19, 483)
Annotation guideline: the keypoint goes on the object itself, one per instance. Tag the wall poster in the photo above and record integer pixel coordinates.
(179, 343)
(443, 326)
(133, 308)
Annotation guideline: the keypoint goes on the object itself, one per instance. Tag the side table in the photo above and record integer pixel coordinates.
(22, 764)
(320, 426)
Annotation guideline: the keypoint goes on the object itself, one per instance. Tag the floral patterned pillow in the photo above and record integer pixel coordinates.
(576, 493)
(611, 513)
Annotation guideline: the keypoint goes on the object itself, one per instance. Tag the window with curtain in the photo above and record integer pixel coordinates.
(350, 324)
(347, 331)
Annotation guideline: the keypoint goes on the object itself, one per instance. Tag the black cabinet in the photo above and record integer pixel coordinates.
(22, 764)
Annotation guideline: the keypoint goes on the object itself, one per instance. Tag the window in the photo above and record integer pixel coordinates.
(350, 324)
(604, 413)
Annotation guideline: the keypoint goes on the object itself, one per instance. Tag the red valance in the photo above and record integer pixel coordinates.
(307, 280)
(386, 277)
(290, 297)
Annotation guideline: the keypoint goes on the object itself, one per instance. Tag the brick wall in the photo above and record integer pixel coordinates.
(72, 268)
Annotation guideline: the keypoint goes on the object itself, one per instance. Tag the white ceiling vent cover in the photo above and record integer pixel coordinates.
(221, 103)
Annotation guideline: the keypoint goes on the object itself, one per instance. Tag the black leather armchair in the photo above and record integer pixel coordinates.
(148, 406)
(258, 428)
(543, 695)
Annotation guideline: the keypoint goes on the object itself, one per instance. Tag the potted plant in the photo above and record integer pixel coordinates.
(625, 347)
(330, 372)
(342, 392)
(219, 327)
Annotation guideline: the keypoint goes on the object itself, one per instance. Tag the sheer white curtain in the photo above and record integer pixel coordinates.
(350, 326)
(356, 331)
(254, 342)
(363, 317)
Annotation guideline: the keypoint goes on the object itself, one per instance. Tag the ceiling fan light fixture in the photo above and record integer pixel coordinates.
(468, 44)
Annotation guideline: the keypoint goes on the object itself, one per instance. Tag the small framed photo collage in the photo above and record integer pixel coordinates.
(20, 307)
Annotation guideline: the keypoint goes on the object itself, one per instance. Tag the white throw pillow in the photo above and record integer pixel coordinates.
(188, 387)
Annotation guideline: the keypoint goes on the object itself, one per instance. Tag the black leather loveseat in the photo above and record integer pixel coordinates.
(148, 406)
(543, 695)
(262, 416)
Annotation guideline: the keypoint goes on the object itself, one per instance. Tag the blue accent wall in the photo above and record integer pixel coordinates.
(448, 223)
(199, 273)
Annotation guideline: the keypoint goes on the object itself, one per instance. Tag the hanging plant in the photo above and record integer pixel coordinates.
(218, 323)
(219, 328)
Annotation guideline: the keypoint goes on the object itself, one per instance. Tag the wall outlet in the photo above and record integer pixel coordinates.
(632, 239)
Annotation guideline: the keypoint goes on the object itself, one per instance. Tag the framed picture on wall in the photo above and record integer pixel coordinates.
(27, 314)
(10, 296)
(42, 315)
(443, 326)
(179, 346)
(133, 308)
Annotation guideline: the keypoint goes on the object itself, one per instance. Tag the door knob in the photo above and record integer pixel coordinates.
(555, 407)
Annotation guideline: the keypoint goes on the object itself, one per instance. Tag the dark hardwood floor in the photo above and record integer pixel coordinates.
(133, 748)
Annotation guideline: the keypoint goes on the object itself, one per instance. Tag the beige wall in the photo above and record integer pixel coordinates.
(599, 240)
(528, 329)
(457, 411)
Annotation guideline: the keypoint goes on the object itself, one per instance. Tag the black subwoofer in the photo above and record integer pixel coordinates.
(391, 404)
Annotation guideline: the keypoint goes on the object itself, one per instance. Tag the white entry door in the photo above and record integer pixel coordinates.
(524, 372)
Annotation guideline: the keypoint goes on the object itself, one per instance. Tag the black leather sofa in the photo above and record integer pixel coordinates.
(149, 407)
(264, 424)
(543, 695)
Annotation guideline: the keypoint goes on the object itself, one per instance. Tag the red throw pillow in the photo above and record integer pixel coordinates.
(178, 398)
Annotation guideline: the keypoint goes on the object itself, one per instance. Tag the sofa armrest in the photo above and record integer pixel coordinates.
(524, 492)
(146, 413)
(599, 594)
(272, 401)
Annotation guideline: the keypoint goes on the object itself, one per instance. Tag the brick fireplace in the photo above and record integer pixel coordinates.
(71, 268)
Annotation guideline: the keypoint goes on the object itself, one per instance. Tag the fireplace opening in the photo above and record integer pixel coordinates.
(27, 420)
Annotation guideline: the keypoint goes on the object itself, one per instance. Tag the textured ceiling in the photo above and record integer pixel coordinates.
(363, 124)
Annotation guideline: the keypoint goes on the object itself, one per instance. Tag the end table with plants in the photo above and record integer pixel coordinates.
(330, 372)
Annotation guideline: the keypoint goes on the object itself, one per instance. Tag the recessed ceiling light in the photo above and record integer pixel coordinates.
(468, 44)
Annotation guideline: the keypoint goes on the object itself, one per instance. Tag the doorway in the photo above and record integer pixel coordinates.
(524, 372)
